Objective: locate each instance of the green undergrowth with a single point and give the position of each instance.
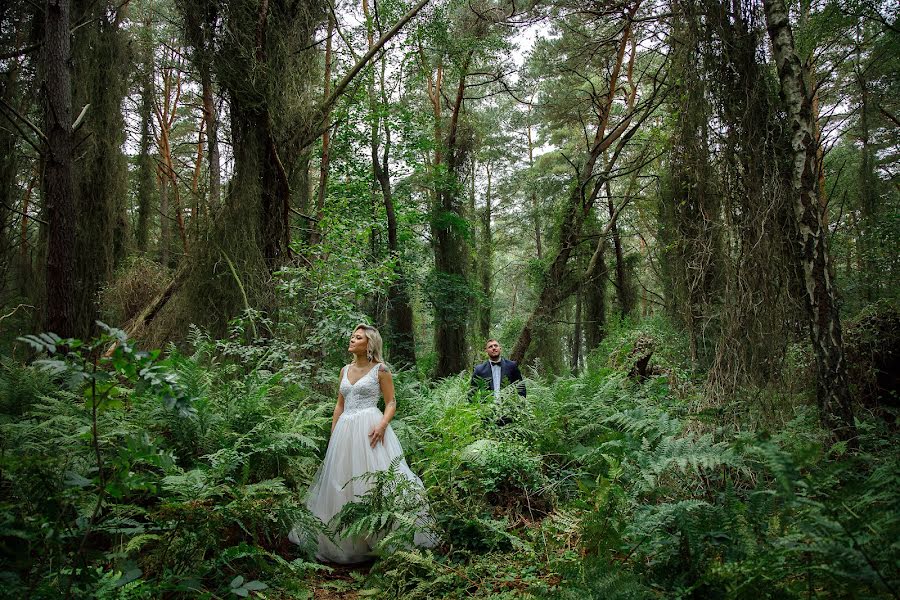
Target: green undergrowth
(180, 474)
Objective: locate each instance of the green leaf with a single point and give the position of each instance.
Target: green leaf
(129, 576)
(74, 479)
(237, 581)
(255, 586)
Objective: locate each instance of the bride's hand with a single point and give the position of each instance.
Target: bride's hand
(377, 435)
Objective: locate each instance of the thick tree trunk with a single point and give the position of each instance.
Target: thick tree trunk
(820, 294)
(594, 290)
(576, 335)
(101, 179)
(623, 291)
(59, 188)
(450, 289)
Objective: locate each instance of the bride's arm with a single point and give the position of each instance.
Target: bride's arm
(339, 406)
(390, 406)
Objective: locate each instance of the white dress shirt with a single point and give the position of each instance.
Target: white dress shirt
(495, 373)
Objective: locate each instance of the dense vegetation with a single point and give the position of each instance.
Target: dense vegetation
(603, 486)
(679, 216)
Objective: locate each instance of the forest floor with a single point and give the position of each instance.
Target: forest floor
(342, 582)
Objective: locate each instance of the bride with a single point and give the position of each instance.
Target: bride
(362, 441)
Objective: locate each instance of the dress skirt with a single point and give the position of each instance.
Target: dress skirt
(338, 481)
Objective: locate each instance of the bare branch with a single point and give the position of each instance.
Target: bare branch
(24, 120)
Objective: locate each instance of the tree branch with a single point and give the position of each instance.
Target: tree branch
(25, 120)
(341, 86)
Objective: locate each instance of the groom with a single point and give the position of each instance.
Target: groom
(495, 371)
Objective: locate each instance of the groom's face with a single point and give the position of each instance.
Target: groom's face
(493, 349)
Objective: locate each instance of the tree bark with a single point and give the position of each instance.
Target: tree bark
(820, 296)
(212, 138)
(486, 258)
(165, 223)
(59, 187)
(594, 291)
(535, 207)
(100, 79)
(451, 294)
(623, 291)
(401, 327)
(576, 335)
(146, 183)
(316, 236)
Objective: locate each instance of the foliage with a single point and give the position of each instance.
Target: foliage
(641, 498)
(593, 486)
(125, 475)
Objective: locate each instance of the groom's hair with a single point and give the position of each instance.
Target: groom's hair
(489, 341)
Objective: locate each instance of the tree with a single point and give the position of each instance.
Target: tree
(463, 41)
(59, 189)
(833, 391)
(607, 133)
(401, 333)
(275, 118)
(100, 60)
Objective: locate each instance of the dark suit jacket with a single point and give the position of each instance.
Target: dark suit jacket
(509, 371)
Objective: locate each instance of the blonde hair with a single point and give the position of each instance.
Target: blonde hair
(374, 345)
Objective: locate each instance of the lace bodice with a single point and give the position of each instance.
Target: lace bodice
(364, 393)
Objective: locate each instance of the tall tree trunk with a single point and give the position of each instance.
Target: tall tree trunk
(316, 236)
(486, 260)
(594, 290)
(146, 184)
(451, 294)
(59, 188)
(833, 392)
(199, 17)
(577, 334)
(623, 289)
(401, 327)
(211, 118)
(100, 63)
(165, 221)
(535, 207)
(690, 209)
(9, 165)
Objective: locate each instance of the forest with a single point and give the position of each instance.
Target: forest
(681, 218)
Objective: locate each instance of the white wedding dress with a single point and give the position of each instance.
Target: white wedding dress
(349, 456)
